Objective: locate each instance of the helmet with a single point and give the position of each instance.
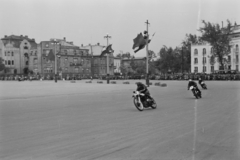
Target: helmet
(190, 80)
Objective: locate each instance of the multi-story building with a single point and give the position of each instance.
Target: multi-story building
(203, 62)
(71, 60)
(99, 65)
(21, 54)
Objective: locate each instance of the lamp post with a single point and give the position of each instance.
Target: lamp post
(107, 36)
(147, 76)
(59, 63)
(55, 42)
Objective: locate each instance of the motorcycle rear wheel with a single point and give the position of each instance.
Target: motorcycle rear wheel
(137, 104)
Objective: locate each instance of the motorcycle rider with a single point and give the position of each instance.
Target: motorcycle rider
(143, 89)
(200, 81)
(194, 84)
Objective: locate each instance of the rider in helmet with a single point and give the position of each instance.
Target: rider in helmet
(194, 84)
(200, 82)
(143, 89)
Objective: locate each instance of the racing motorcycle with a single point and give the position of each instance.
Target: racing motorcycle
(195, 92)
(203, 85)
(141, 101)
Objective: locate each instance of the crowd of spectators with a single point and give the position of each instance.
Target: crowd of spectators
(213, 76)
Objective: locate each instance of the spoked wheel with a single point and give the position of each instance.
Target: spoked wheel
(154, 104)
(137, 104)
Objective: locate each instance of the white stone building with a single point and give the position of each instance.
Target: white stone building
(201, 61)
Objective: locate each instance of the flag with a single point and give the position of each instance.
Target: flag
(50, 56)
(140, 42)
(107, 50)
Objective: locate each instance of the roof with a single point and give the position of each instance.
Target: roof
(16, 41)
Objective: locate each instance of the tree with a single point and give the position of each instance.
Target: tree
(186, 50)
(219, 38)
(124, 55)
(2, 66)
(151, 55)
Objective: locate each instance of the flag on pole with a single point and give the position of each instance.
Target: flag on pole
(49, 55)
(140, 42)
(107, 50)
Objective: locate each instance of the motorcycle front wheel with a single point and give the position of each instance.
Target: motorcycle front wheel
(138, 104)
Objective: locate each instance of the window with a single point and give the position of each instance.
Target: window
(237, 60)
(25, 47)
(12, 54)
(237, 69)
(195, 61)
(12, 62)
(195, 69)
(211, 50)
(76, 69)
(212, 69)
(75, 60)
(35, 60)
(5, 53)
(6, 62)
(237, 49)
(229, 58)
(204, 68)
(195, 52)
(204, 51)
(9, 62)
(204, 60)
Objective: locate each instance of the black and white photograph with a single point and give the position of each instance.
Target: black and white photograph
(119, 80)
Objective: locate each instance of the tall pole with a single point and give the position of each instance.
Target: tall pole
(107, 36)
(147, 78)
(55, 42)
(55, 62)
(182, 60)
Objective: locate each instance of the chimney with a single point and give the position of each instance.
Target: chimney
(21, 35)
(5, 36)
(26, 36)
(222, 24)
(64, 38)
(81, 45)
(98, 44)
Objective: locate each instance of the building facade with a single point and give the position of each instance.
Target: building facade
(71, 61)
(203, 62)
(99, 63)
(20, 54)
(126, 64)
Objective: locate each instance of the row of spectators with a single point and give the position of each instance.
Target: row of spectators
(151, 77)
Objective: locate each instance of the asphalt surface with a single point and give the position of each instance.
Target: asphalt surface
(44, 120)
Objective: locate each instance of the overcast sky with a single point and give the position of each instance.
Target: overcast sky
(88, 21)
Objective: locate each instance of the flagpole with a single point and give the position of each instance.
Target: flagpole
(147, 78)
(107, 36)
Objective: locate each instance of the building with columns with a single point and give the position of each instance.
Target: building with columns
(203, 62)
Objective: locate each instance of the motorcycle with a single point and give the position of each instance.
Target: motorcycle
(196, 93)
(203, 85)
(141, 101)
